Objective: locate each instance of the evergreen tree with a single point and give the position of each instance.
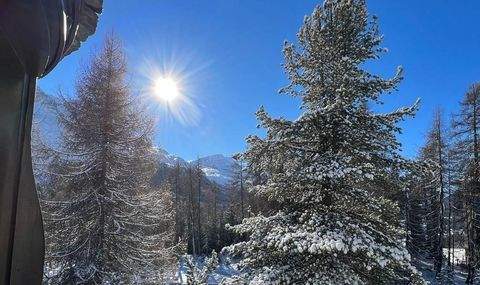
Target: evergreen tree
(196, 208)
(331, 227)
(435, 154)
(178, 203)
(197, 275)
(466, 131)
(212, 225)
(415, 216)
(199, 228)
(238, 185)
(109, 225)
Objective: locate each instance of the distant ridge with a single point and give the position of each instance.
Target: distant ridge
(217, 168)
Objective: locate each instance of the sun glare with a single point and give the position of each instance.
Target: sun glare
(171, 89)
(166, 88)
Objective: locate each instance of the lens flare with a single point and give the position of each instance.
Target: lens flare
(170, 85)
(166, 88)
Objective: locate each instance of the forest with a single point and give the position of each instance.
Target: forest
(326, 198)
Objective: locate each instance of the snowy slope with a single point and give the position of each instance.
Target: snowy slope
(218, 168)
(226, 269)
(170, 159)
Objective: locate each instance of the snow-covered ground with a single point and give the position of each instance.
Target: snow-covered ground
(224, 270)
(429, 274)
(457, 257)
(458, 260)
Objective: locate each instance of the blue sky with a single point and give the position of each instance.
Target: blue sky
(227, 56)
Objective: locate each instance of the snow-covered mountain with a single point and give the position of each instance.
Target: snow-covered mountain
(170, 159)
(217, 168)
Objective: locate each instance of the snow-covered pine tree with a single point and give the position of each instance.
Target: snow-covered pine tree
(238, 185)
(415, 208)
(108, 225)
(330, 227)
(434, 153)
(197, 274)
(466, 132)
(212, 220)
(193, 238)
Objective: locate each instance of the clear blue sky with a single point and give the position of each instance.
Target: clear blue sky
(228, 56)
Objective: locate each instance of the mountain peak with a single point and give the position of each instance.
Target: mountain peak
(169, 159)
(217, 168)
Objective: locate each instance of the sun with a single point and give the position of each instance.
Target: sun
(166, 88)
